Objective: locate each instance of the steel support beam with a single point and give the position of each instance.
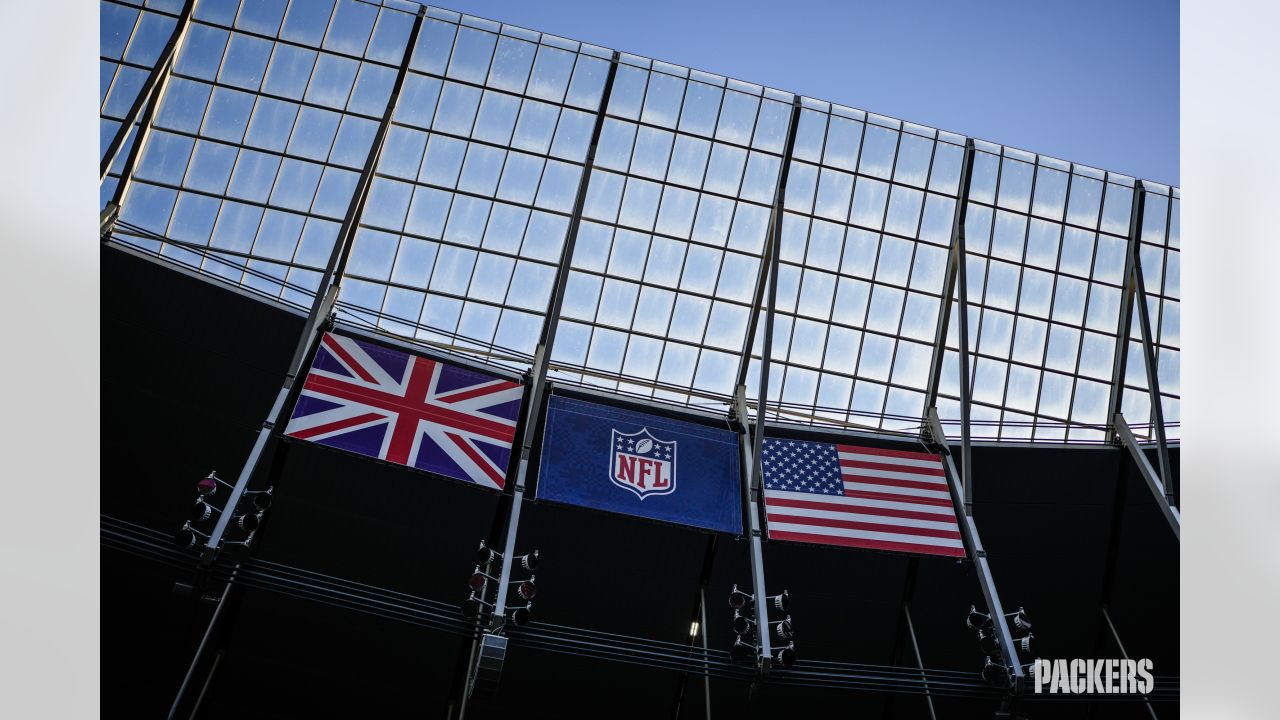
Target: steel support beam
(150, 95)
(1125, 322)
(538, 374)
(954, 257)
(1158, 489)
(1106, 616)
(751, 445)
(915, 647)
(1153, 379)
(773, 237)
(699, 618)
(322, 306)
(973, 545)
(537, 385)
(753, 442)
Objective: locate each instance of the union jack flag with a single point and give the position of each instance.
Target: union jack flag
(406, 409)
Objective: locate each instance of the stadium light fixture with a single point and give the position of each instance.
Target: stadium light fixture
(781, 601)
(742, 652)
(521, 616)
(526, 589)
(249, 522)
(486, 554)
(786, 657)
(1021, 623)
(742, 625)
(207, 485)
(1024, 644)
(783, 628)
(988, 642)
(995, 674)
(529, 562)
(201, 511)
(977, 620)
(739, 600)
(478, 579)
(261, 499)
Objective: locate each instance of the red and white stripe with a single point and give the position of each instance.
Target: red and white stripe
(893, 500)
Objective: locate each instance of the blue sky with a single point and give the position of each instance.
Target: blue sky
(1087, 81)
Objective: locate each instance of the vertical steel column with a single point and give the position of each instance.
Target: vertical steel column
(949, 280)
(1125, 322)
(326, 295)
(699, 616)
(1119, 645)
(966, 452)
(1149, 359)
(533, 402)
(911, 630)
(538, 374)
(706, 652)
(750, 490)
(753, 443)
(773, 237)
(149, 97)
(973, 545)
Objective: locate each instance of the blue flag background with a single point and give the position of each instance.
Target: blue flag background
(629, 462)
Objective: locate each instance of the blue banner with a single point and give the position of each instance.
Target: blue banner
(629, 462)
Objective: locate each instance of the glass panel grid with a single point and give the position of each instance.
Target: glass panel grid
(272, 108)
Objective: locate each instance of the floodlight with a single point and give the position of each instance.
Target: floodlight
(207, 485)
(526, 589)
(784, 629)
(1021, 622)
(520, 616)
(261, 499)
(477, 580)
(184, 538)
(249, 522)
(742, 652)
(786, 657)
(742, 625)
(988, 642)
(530, 561)
(781, 601)
(1024, 644)
(995, 674)
(977, 620)
(486, 555)
(201, 510)
(738, 599)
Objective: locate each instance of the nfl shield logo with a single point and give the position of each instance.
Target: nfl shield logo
(643, 464)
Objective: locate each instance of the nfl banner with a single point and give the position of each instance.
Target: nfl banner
(634, 463)
(406, 409)
(859, 497)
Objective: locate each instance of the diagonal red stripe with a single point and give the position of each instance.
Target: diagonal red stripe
(431, 413)
(336, 425)
(478, 391)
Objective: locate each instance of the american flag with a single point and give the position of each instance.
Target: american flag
(406, 409)
(859, 497)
